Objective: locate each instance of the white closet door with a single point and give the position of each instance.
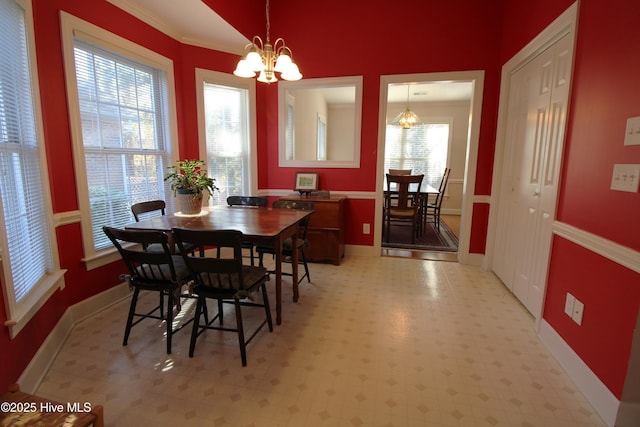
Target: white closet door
(529, 190)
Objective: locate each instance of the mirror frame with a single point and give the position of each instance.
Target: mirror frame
(319, 83)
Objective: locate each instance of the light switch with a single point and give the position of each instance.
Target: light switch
(632, 134)
(578, 310)
(568, 305)
(625, 178)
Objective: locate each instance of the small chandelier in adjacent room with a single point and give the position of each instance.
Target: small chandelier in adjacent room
(267, 59)
(407, 118)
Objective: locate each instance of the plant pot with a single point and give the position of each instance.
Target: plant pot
(188, 203)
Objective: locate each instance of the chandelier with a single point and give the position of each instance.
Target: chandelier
(267, 59)
(407, 118)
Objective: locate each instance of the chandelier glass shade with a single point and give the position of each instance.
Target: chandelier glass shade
(265, 59)
(406, 119)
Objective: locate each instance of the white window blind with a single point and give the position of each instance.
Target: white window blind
(122, 108)
(227, 139)
(422, 148)
(24, 205)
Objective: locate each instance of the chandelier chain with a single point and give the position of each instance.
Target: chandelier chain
(268, 22)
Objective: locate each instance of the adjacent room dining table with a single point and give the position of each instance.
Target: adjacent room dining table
(258, 225)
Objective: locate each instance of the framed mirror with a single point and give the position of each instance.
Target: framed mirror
(319, 122)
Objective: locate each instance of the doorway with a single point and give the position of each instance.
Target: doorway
(445, 104)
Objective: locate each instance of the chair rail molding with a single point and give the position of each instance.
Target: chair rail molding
(615, 252)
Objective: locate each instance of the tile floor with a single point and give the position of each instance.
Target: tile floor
(373, 342)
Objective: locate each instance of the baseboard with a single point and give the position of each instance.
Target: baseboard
(361, 250)
(598, 395)
(41, 362)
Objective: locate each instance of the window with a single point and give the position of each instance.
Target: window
(322, 138)
(225, 128)
(28, 246)
(423, 149)
(123, 146)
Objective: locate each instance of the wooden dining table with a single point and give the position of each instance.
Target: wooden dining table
(258, 225)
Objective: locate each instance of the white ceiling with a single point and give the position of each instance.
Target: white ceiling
(192, 22)
(187, 21)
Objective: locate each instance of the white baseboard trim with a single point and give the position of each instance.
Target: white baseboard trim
(361, 250)
(600, 397)
(41, 362)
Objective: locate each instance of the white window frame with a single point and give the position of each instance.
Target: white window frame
(72, 26)
(214, 77)
(20, 312)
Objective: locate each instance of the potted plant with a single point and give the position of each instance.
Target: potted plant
(189, 181)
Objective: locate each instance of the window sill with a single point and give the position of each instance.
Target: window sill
(34, 302)
(103, 258)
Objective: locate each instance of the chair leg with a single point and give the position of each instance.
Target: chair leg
(243, 347)
(196, 325)
(169, 321)
(252, 255)
(306, 266)
(265, 300)
(220, 312)
(162, 304)
(132, 310)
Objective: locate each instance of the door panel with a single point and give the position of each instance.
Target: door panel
(529, 191)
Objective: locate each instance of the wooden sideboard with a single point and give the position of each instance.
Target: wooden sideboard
(326, 227)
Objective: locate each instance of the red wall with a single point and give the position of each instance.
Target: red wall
(605, 92)
(344, 38)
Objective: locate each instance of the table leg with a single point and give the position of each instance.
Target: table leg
(294, 267)
(278, 247)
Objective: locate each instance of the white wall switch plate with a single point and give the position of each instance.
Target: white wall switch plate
(625, 178)
(578, 310)
(568, 305)
(366, 229)
(632, 134)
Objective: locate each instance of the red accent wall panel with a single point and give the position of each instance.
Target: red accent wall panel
(523, 20)
(605, 94)
(480, 217)
(611, 298)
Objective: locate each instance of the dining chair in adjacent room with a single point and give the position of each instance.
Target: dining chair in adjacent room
(225, 279)
(402, 203)
(433, 208)
(154, 271)
(300, 243)
(248, 201)
(400, 171)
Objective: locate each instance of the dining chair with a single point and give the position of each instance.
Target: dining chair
(288, 246)
(402, 204)
(154, 271)
(148, 209)
(140, 209)
(432, 209)
(248, 201)
(224, 278)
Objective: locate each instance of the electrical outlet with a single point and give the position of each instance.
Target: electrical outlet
(366, 229)
(578, 310)
(568, 305)
(625, 178)
(632, 134)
